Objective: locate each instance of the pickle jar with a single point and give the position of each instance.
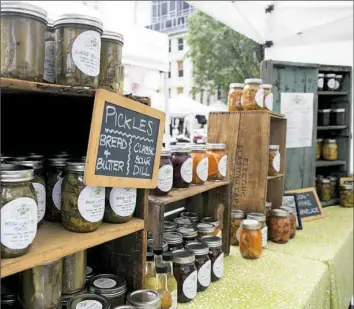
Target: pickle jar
(292, 217)
(330, 150)
(77, 50)
(234, 97)
(174, 240)
(74, 272)
(320, 81)
(110, 77)
(261, 218)
(216, 256)
(82, 207)
(324, 117)
(182, 166)
(338, 84)
(330, 82)
(200, 164)
(88, 301)
(318, 183)
(217, 161)
(347, 195)
(268, 213)
(190, 215)
(252, 96)
(280, 226)
(250, 239)
(165, 175)
(120, 204)
(338, 116)
(49, 60)
(215, 223)
(23, 27)
(237, 215)
(319, 143)
(274, 160)
(334, 186)
(18, 209)
(268, 97)
(205, 229)
(144, 299)
(189, 234)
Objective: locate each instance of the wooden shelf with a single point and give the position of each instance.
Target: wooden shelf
(275, 177)
(325, 128)
(53, 241)
(322, 163)
(332, 93)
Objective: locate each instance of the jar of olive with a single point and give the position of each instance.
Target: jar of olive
(18, 210)
(330, 150)
(346, 195)
(325, 190)
(237, 215)
(82, 206)
(319, 142)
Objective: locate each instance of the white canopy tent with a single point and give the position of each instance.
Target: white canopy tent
(218, 106)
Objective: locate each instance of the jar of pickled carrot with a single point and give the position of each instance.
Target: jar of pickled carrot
(234, 97)
(200, 164)
(217, 161)
(250, 239)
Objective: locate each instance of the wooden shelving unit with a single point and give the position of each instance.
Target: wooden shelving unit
(322, 163)
(332, 93)
(330, 128)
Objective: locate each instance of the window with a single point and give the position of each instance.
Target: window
(169, 92)
(180, 44)
(169, 46)
(154, 10)
(168, 24)
(180, 68)
(185, 5)
(179, 90)
(164, 9)
(172, 5)
(157, 26)
(180, 21)
(169, 70)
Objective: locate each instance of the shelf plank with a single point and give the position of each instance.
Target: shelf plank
(325, 128)
(53, 241)
(275, 177)
(322, 163)
(181, 194)
(332, 93)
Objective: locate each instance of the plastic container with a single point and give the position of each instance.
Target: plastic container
(250, 239)
(165, 175)
(217, 162)
(200, 164)
(252, 96)
(234, 97)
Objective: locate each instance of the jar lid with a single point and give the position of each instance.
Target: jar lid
(180, 148)
(267, 86)
(79, 19)
(57, 162)
(167, 256)
(319, 140)
(253, 81)
(250, 224)
(320, 74)
(150, 245)
(172, 238)
(273, 147)
(205, 227)
(190, 215)
(279, 213)
(332, 178)
(331, 141)
(216, 146)
(89, 272)
(84, 299)
(338, 110)
(198, 147)
(169, 226)
(197, 248)
(236, 85)
(347, 186)
(325, 180)
(144, 299)
(212, 241)
(183, 256)
(107, 284)
(35, 164)
(324, 110)
(16, 173)
(165, 152)
(187, 231)
(75, 166)
(183, 222)
(330, 75)
(124, 307)
(50, 23)
(257, 216)
(237, 213)
(23, 8)
(339, 76)
(112, 35)
(211, 221)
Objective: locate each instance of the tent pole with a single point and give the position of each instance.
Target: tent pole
(167, 136)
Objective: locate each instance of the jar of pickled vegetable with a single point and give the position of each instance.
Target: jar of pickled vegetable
(330, 150)
(200, 164)
(205, 229)
(346, 195)
(274, 160)
(280, 226)
(215, 223)
(120, 204)
(250, 239)
(237, 215)
(234, 97)
(217, 161)
(334, 185)
(261, 218)
(292, 217)
(252, 96)
(319, 142)
(320, 81)
(182, 166)
(165, 175)
(330, 82)
(268, 97)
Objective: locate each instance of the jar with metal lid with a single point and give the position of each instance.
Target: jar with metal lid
(338, 83)
(274, 160)
(253, 95)
(215, 223)
(112, 287)
(216, 256)
(18, 210)
(5, 159)
(65, 298)
(111, 61)
(169, 226)
(186, 275)
(23, 28)
(293, 220)
(237, 215)
(234, 97)
(338, 116)
(205, 229)
(74, 272)
(347, 195)
(334, 186)
(202, 263)
(185, 222)
(182, 166)
(320, 81)
(324, 116)
(330, 82)
(189, 234)
(190, 215)
(217, 161)
(250, 239)
(165, 175)
(89, 273)
(318, 183)
(174, 240)
(89, 301)
(268, 97)
(9, 300)
(319, 142)
(150, 245)
(268, 213)
(144, 299)
(41, 286)
(120, 204)
(82, 206)
(200, 164)
(77, 50)
(49, 60)
(280, 226)
(330, 150)
(261, 218)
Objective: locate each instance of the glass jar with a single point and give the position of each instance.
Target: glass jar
(330, 82)
(200, 164)
(18, 210)
(261, 218)
(338, 117)
(334, 186)
(182, 166)
(318, 183)
(234, 97)
(185, 273)
(338, 84)
(23, 28)
(190, 215)
(74, 272)
(110, 286)
(120, 204)
(346, 195)
(49, 61)
(111, 61)
(268, 97)
(65, 298)
(280, 226)
(215, 223)
(330, 150)
(150, 245)
(274, 160)
(292, 217)
(202, 263)
(174, 240)
(82, 206)
(237, 215)
(165, 175)
(217, 161)
(205, 229)
(41, 286)
(77, 61)
(319, 143)
(169, 226)
(9, 300)
(89, 273)
(185, 222)
(252, 96)
(250, 239)
(144, 299)
(216, 256)
(325, 190)
(88, 301)
(268, 213)
(320, 81)
(189, 234)
(324, 117)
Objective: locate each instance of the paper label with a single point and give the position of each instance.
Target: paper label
(123, 201)
(331, 83)
(86, 52)
(49, 71)
(165, 178)
(18, 223)
(320, 83)
(218, 267)
(56, 193)
(189, 287)
(336, 86)
(105, 283)
(91, 203)
(174, 299)
(276, 162)
(259, 97)
(264, 236)
(204, 274)
(89, 304)
(268, 101)
(187, 170)
(40, 192)
(222, 166)
(202, 169)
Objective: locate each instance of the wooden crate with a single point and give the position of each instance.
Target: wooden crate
(247, 135)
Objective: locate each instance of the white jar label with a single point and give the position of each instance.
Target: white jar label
(89, 304)
(222, 166)
(187, 170)
(91, 203)
(320, 83)
(331, 83)
(165, 178)
(336, 86)
(174, 299)
(204, 274)
(276, 162)
(105, 283)
(264, 236)
(18, 223)
(202, 169)
(189, 286)
(49, 72)
(86, 52)
(40, 192)
(123, 201)
(269, 101)
(56, 193)
(218, 267)
(259, 97)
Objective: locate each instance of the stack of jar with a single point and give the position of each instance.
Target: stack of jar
(326, 149)
(331, 117)
(329, 82)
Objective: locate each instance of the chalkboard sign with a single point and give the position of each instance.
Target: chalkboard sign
(308, 203)
(289, 203)
(125, 143)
